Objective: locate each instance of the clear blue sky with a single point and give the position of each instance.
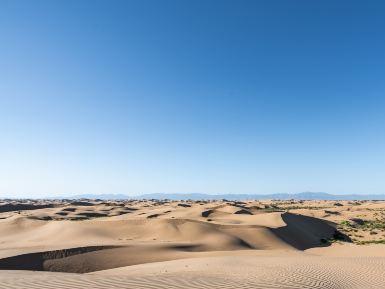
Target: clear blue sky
(191, 96)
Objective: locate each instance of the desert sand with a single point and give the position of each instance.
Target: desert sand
(191, 244)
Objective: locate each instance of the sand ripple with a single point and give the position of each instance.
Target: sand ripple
(218, 272)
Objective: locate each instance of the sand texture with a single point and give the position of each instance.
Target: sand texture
(186, 244)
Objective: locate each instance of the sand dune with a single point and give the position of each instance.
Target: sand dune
(162, 244)
(219, 272)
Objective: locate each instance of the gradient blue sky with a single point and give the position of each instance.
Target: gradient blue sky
(191, 96)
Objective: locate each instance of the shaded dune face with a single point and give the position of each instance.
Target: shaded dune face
(23, 207)
(302, 232)
(40, 261)
(96, 258)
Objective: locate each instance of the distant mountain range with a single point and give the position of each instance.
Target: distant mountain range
(199, 196)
